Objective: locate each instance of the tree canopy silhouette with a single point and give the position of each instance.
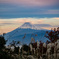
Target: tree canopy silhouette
(3, 53)
(2, 42)
(53, 35)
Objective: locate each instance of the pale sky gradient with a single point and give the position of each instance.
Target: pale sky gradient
(13, 13)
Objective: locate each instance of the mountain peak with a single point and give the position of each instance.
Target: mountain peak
(27, 25)
(33, 26)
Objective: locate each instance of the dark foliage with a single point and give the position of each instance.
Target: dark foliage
(16, 50)
(53, 35)
(2, 43)
(3, 54)
(26, 48)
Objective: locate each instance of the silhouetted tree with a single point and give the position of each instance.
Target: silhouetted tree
(15, 44)
(16, 50)
(53, 35)
(2, 42)
(26, 48)
(3, 53)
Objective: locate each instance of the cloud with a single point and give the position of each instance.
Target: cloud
(19, 21)
(7, 25)
(56, 18)
(7, 11)
(29, 8)
(51, 12)
(45, 12)
(31, 2)
(31, 20)
(43, 25)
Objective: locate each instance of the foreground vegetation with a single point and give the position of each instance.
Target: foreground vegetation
(34, 50)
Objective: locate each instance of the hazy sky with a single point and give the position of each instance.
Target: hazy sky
(13, 13)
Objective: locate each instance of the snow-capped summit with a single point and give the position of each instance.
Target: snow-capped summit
(34, 26)
(27, 25)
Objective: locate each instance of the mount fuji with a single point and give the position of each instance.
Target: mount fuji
(34, 26)
(28, 30)
(28, 25)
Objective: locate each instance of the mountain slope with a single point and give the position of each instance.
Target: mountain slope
(28, 30)
(19, 33)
